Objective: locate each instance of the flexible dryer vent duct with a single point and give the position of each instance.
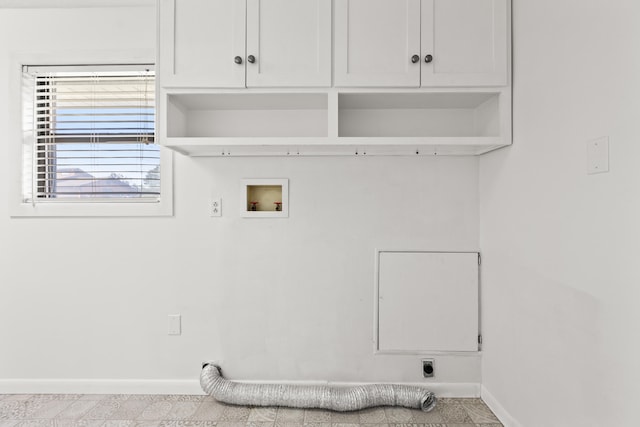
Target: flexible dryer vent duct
(320, 396)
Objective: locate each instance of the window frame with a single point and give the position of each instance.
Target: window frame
(16, 143)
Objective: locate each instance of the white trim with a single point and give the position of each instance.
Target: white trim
(192, 387)
(17, 207)
(99, 386)
(505, 417)
(62, 4)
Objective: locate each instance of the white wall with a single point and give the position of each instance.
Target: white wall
(560, 248)
(286, 299)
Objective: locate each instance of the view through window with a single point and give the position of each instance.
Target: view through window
(93, 134)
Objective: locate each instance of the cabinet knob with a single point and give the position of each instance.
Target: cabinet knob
(237, 60)
(415, 58)
(251, 58)
(428, 58)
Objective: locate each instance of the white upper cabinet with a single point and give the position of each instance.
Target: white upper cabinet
(289, 42)
(377, 43)
(429, 43)
(245, 43)
(201, 42)
(467, 41)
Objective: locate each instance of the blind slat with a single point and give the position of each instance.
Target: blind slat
(94, 134)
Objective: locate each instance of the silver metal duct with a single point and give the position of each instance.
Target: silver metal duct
(307, 396)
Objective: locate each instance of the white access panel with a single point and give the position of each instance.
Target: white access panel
(427, 301)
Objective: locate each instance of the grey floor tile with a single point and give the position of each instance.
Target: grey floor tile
(263, 414)
(209, 411)
(78, 423)
(453, 413)
(157, 410)
(35, 423)
(130, 410)
(45, 409)
(372, 416)
(289, 415)
(12, 409)
(235, 414)
(193, 423)
(317, 416)
(77, 409)
(182, 410)
(145, 423)
(479, 412)
(398, 415)
(169, 397)
(345, 417)
(49, 397)
(118, 423)
(187, 397)
(104, 410)
(432, 417)
(204, 411)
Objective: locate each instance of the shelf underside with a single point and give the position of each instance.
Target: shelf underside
(334, 146)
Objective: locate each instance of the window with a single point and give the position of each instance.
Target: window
(92, 134)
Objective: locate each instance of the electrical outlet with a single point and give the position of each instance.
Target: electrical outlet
(428, 369)
(174, 324)
(216, 207)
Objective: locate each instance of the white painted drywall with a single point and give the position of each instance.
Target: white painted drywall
(560, 276)
(277, 299)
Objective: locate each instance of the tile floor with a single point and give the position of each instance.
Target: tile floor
(87, 410)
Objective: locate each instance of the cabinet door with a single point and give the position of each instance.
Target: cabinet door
(467, 40)
(199, 40)
(375, 41)
(290, 41)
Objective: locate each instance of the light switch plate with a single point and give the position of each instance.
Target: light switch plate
(598, 155)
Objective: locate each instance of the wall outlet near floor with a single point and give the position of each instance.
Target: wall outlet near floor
(174, 325)
(428, 368)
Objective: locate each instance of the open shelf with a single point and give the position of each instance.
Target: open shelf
(405, 115)
(247, 115)
(336, 122)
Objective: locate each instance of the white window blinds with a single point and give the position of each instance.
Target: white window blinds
(92, 134)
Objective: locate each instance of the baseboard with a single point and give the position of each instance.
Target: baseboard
(99, 386)
(102, 386)
(505, 417)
